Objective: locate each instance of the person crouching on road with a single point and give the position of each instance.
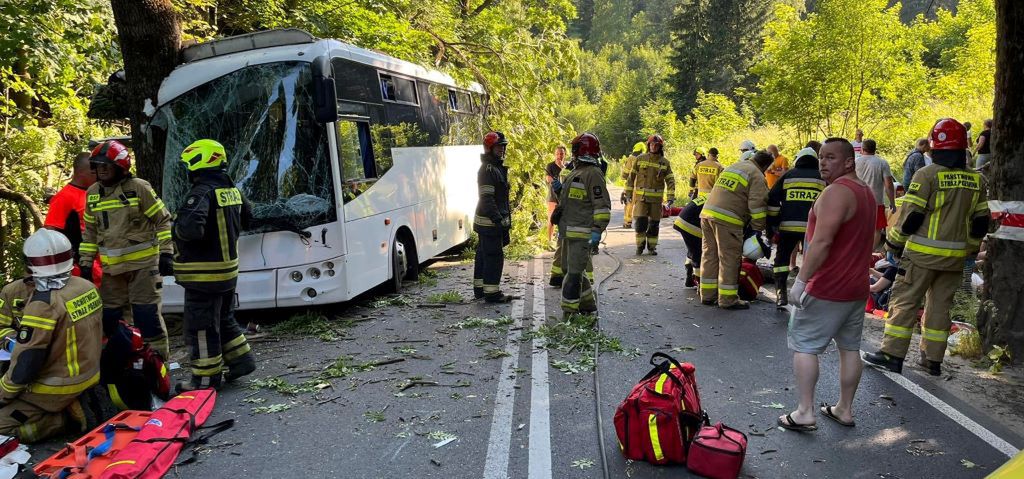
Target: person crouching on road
(650, 183)
(688, 225)
(789, 203)
(584, 210)
(737, 200)
(128, 225)
(493, 220)
(830, 291)
(59, 339)
(206, 231)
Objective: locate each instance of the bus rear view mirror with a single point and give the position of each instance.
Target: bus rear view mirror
(325, 100)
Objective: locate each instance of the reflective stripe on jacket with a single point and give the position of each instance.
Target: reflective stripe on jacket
(739, 197)
(59, 343)
(950, 199)
(705, 173)
(206, 231)
(586, 206)
(492, 184)
(651, 179)
(127, 225)
(791, 198)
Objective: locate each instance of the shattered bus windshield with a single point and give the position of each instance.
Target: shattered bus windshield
(277, 152)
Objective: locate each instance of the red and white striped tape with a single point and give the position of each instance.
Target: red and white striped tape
(1010, 215)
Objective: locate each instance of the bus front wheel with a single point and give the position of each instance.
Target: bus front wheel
(399, 265)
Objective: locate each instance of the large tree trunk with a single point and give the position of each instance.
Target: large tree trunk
(150, 36)
(1001, 318)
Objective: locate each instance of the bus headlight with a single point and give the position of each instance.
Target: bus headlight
(329, 265)
(296, 276)
(313, 273)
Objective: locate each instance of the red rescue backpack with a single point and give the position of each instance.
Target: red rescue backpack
(658, 420)
(751, 280)
(131, 371)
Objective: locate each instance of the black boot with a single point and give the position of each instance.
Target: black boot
(781, 293)
(199, 382)
(556, 281)
(639, 250)
(241, 366)
(883, 360)
(499, 297)
(478, 293)
(933, 367)
(691, 280)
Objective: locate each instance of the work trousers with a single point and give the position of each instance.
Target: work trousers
(557, 268)
(693, 251)
(627, 218)
(489, 261)
(32, 422)
(916, 286)
(213, 336)
(577, 292)
(141, 290)
(646, 222)
(721, 250)
(788, 241)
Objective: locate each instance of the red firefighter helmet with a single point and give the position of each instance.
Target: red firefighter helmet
(586, 145)
(655, 140)
(948, 134)
(112, 152)
(493, 138)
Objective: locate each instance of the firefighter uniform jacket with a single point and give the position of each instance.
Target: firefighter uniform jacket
(627, 166)
(650, 177)
(688, 220)
(206, 231)
(739, 197)
(705, 173)
(586, 206)
(791, 199)
(950, 200)
(59, 343)
(492, 181)
(127, 224)
(13, 298)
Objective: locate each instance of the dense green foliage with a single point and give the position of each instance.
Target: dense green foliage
(700, 72)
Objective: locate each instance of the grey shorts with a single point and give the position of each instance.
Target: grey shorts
(820, 321)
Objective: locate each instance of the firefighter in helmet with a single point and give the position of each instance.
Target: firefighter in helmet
(584, 212)
(627, 167)
(59, 338)
(738, 201)
(557, 269)
(705, 173)
(127, 224)
(206, 230)
(789, 205)
(942, 219)
(493, 220)
(650, 183)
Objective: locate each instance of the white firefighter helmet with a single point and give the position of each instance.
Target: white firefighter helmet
(747, 145)
(752, 249)
(48, 253)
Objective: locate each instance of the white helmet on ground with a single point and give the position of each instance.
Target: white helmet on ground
(752, 249)
(48, 253)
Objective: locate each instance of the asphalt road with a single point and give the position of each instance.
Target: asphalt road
(495, 391)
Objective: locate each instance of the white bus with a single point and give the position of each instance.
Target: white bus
(359, 166)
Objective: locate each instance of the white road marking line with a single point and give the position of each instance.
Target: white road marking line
(496, 465)
(984, 434)
(540, 404)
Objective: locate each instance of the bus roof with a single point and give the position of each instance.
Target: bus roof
(211, 60)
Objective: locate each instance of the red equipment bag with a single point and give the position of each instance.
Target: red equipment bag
(670, 211)
(659, 418)
(751, 280)
(153, 451)
(717, 452)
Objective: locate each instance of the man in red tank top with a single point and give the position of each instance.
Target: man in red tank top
(832, 287)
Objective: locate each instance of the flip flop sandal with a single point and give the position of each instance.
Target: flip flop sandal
(826, 410)
(792, 425)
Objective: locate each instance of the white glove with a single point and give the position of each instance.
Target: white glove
(796, 293)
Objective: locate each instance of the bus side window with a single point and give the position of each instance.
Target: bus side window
(355, 157)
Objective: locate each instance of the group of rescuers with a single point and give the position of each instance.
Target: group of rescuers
(56, 320)
(939, 222)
